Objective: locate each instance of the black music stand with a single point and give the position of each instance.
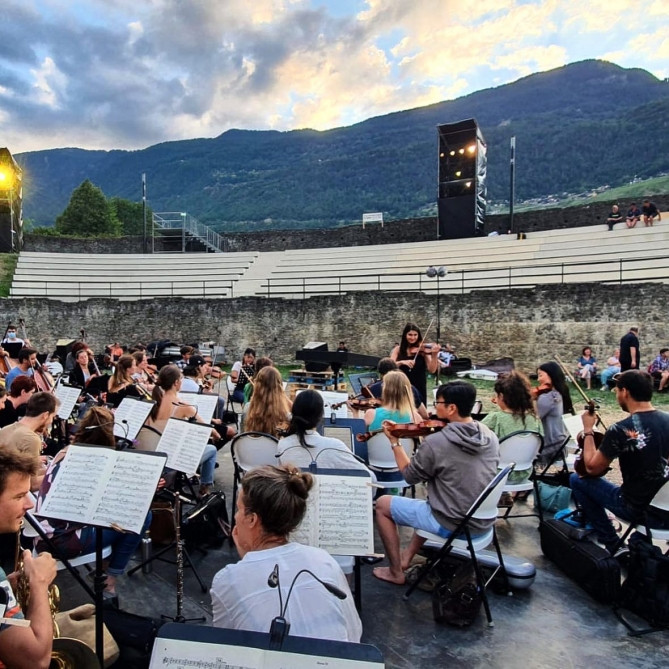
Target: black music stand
(240, 648)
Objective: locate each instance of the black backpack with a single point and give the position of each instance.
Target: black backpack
(645, 591)
(207, 525)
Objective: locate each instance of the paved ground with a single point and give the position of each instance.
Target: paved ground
(552, 624)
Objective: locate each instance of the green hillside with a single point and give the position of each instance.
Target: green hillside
(577, 127)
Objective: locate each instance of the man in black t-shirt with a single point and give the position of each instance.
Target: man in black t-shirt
(641, 444)
(650, 212)
(614, 217)
(630, 355)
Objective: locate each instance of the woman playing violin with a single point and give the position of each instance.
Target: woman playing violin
(396, 403)
(82, 372)
(415, 358)
(553, 400)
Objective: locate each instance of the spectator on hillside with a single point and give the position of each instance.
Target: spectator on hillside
(614, 217)
(650, 211)
(633, 215)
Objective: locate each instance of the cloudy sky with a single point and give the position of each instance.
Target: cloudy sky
(104, 74)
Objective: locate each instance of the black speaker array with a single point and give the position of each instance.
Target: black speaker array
(462, 163)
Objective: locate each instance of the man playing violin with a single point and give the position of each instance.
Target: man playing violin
(415, 358)
(641, 443)
(457, 463)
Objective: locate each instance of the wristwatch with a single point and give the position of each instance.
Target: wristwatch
(396, 445)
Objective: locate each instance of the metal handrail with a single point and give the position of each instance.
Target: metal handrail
(177, 220)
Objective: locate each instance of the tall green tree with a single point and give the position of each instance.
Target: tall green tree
(89, 214)
(131, 216)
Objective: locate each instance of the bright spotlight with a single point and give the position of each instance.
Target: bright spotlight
(468, 184)
(441, 155)
(452, 153)
(471, 148)
(458, 174)
(6, 178)
(461, 151)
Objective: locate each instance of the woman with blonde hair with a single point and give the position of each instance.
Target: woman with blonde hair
(121, 383)
(397, 403)
(269, 408)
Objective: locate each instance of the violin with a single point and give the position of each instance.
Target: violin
(413, 430)
(541, 389)
(423, 348)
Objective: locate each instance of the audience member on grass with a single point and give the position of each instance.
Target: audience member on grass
(614, 216)
(650, 212)
(633, 215)
(553, 400)
(659, 368)
(271, 504)
(457, 463)
(587, 366)
(613, 367)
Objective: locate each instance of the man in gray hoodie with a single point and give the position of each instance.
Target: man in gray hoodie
(457, 463)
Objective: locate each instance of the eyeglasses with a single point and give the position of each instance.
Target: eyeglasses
(440, 402)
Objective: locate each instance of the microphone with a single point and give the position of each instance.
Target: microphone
(123, 423)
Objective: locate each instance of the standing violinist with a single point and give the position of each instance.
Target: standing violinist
(416, 358)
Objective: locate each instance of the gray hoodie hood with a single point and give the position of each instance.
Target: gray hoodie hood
(469, 437)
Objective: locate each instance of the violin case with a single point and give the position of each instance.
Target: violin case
(590, 565)
(521, 573)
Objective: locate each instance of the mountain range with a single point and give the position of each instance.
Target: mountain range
(577, 127)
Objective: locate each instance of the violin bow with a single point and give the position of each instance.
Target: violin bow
(570, 376)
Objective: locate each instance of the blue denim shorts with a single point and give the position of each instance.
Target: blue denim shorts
(416, 513)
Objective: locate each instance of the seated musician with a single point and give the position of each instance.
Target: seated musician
(457, 463)
(83, 370)
(24, 647)
(186, 352)
(257, 366)
(389, 365)
(26, 434)
(11, 337)
(70, 358)
(641, 443)
(271, 504)
(303, 444)
(73, 539)
(269, 408)
(396, 403)
(241, 373)
(27, 359)
(165, 394)
(143, 375)
(17, 399)
(121, 383)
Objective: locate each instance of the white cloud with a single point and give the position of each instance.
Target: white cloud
(50, 83)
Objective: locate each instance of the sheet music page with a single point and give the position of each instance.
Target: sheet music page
(331, 397)
(180, 654)
(99, 486)
(276, 659)
(339, 516)
(184, 443)
(128, 492)
(68, 396)
(204, 403)
(134, 412)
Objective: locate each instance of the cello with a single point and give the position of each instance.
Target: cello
(43, 380)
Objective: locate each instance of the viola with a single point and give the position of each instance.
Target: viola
(579, 463)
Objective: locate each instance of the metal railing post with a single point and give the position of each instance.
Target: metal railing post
(620, 271)
(304, 288)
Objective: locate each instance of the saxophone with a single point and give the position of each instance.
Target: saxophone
(65, 653)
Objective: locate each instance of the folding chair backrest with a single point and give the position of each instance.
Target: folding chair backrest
(485, 506)
(520, 447)
(254, 449)
(380, 452)
(661, 499)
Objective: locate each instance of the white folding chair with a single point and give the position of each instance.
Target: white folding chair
(521, 447)
(381, 460)
(483, 508)
(659, 503)
(250, 450)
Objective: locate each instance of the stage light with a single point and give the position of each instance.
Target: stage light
(442, 154)
(452, 153)
(6, 178)
(468, 184)
(471, 148)
(458, 174)
(461, 151)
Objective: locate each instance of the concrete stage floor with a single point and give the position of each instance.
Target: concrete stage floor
(552, 624)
